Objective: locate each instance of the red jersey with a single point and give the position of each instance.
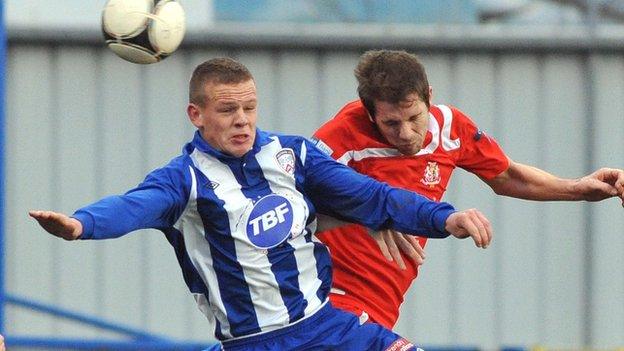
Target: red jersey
(363, 279)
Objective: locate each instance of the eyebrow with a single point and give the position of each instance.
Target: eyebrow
(236, 101)
(389, 121)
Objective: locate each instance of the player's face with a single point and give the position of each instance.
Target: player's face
(404, 125)
(227, 121)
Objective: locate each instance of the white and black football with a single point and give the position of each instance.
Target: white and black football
(143, 31)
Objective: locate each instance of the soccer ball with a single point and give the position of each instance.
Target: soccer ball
(143, 31)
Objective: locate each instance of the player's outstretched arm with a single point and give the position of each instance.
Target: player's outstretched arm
(470, 223)
(58, 224)
(602, 184)
(531, 183)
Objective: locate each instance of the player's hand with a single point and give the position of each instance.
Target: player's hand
(392, 243)
(2, 348)
(58, 224)
(602, 184)
(470, 223)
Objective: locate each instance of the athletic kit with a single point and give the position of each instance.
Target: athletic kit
(242, 230)
(365, 283)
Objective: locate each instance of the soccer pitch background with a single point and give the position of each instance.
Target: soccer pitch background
(80, 124)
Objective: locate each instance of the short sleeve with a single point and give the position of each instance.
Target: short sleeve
(479, 153)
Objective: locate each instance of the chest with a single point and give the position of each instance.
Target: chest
(428, 175)
(254, 201)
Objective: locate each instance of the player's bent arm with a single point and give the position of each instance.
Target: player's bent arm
(461, 224)
(531, 183)
(338, 190)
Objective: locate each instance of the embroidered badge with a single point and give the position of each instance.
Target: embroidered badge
(213, 185)
(432, 174)
(286, 160)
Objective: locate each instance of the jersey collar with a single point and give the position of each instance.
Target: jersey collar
(198, 142)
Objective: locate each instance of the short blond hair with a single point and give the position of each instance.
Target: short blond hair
(222, 70)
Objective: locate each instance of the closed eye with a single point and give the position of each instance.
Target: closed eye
(414, 118)
(227, 109)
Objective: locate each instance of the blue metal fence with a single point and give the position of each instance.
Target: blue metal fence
(136, 339)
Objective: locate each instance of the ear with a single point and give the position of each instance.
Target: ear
(194, 114)
(370, 117)
(430, 95)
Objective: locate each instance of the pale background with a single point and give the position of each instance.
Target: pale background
(81, 124)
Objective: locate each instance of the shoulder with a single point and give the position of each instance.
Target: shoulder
(350, 129)
(448, 113)
(283, 145)
(285, 140)
(177, 172)
(179, 162)
(452, 121)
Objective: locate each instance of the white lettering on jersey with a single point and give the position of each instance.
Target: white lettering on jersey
(269, 219)
(324, 147)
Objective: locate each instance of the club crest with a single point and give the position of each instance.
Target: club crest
(432, 174)
(286, 160)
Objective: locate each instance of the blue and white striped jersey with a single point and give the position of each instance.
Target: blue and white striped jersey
(243, 228)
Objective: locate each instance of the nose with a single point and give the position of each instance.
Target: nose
(241, 118)
(405, 132)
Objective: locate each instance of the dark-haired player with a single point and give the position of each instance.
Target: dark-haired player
(394, 134)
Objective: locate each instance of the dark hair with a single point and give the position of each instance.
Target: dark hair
(390, 76)
(221, 70)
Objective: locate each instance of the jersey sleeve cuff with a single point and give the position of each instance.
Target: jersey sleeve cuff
(439, 219)
(86, 219)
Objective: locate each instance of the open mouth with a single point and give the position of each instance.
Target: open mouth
(240, 138)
